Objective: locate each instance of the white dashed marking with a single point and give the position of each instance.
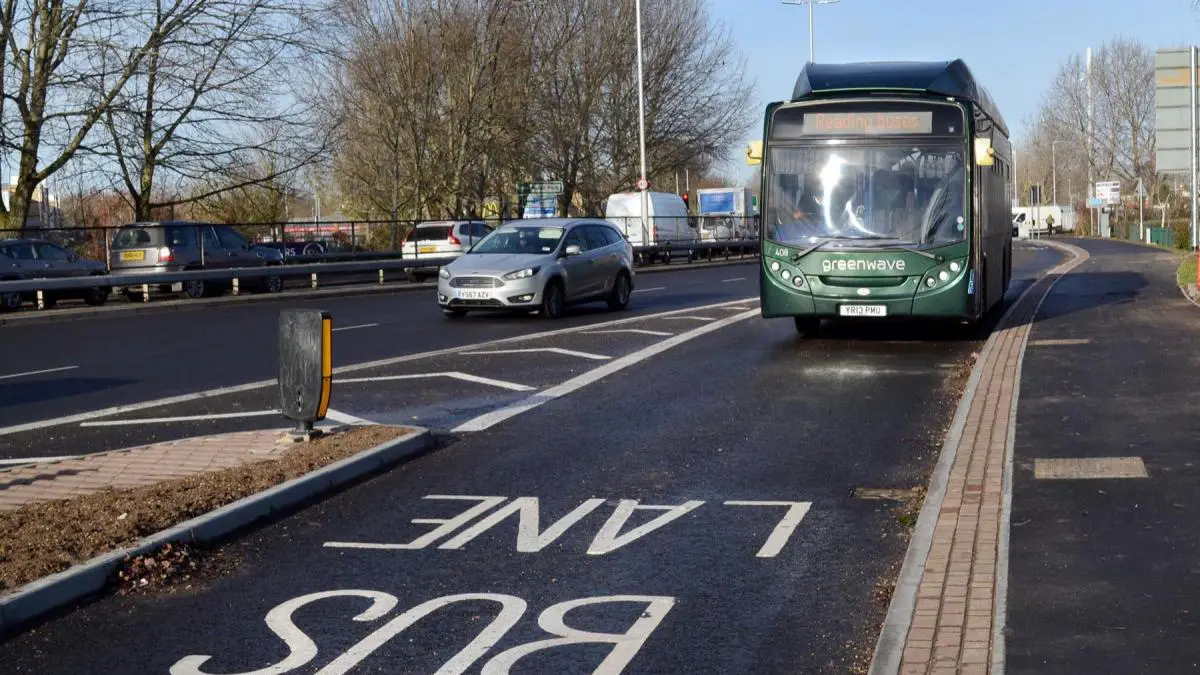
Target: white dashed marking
(554, 350)
(465, 377)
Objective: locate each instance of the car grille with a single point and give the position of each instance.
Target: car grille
(455, 302)
(476, 282)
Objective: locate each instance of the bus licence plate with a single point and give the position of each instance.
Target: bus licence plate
(473, 295)
(863, 310)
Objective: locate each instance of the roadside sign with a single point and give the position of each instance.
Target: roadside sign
(1094, 202)
(1140, 190)
(643, 184)
(549, 187)
(1109, 191)
(1172, 108)
(1035, 194)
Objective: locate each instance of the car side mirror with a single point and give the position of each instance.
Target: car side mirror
(573, 249)
(73, 258)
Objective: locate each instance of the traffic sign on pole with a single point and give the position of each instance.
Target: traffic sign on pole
(643, 184)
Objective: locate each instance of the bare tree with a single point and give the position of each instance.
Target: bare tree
(1121, 141)
(447, 103)
(63, 64)
(211, 97)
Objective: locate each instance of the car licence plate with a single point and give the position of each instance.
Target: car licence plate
(473, 295)
(133, 255)
(863, 310)
(427, 249)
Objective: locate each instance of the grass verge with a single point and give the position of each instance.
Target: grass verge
(44, 538)
(1186, 273)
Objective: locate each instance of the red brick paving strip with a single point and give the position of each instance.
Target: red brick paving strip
(134, 467)
(953, 620)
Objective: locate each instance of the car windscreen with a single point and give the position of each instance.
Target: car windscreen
(438, 233)
(528, 239)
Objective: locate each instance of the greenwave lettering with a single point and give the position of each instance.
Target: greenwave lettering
(854, 265)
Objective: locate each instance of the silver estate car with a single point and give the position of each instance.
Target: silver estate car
(540, 264)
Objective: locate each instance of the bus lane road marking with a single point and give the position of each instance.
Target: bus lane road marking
(534, 350)
(647, 612)
(487, 512)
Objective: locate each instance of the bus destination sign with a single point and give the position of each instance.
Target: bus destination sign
(867, 123)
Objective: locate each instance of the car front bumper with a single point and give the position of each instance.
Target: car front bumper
(510, 295)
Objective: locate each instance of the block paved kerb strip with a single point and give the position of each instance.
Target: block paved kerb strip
(948, 609)
(39, 598)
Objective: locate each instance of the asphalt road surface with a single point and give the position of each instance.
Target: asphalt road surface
(56, 369)
(685, 505)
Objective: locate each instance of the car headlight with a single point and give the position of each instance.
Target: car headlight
(444, 273)
(522, 274)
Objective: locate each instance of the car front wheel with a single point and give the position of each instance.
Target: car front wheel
(553, 300)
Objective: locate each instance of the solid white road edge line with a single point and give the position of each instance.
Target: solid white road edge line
(38, 372)
(725, 281)
(647, 290)
(361, 325)
(639, 331)
(465, 377)
(553, 350)
(366, 365)
(690, 318)
(490, 419)
(184, 418)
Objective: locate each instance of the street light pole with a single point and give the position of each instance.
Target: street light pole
(810, 4)
(642, 184)
(1054, 170)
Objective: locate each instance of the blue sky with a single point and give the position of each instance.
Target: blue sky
(1012, 46)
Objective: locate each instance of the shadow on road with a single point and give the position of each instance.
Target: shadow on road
(38, 392)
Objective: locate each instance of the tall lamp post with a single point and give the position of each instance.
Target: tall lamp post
(810, 4)
(643, 183)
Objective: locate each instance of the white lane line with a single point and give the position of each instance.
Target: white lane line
(725, 281)
(36, 460)
(344, 418)
(640, 331)
(466, 377)
(647, 290)
(490, 419)
(737, 309)
(690, 318)
(185, 418)
(38, 372)
(361, 325)
(555, 350)
(365, 365)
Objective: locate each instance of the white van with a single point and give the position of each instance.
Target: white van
(666, 223)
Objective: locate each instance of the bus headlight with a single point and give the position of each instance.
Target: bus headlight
(798, 280)
(774, 265)
(786, 275)
(943, 275)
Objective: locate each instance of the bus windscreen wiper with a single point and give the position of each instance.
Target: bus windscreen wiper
(796, 258)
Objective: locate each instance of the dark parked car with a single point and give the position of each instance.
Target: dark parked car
(37, 259)
(177, 246)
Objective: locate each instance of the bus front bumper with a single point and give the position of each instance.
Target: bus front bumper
(949, 301)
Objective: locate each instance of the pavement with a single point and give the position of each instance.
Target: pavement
(136, 466)
(678, 497)
(1104, 554)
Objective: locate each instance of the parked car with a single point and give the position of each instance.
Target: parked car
(541, 264)
(441, 238)
(36, 259)
(176, 246)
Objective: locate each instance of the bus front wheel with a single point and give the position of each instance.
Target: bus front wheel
(808, 326)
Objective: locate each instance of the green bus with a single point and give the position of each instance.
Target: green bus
(886, 192)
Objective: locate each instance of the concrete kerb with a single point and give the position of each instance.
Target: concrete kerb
(889, 647)
(349, 290)
(44, 596)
